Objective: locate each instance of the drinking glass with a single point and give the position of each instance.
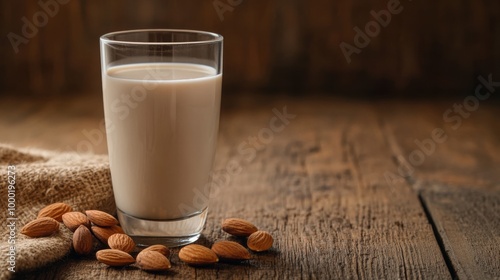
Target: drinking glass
(161, 93)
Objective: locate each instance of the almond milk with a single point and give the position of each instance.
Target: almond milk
(162, 123)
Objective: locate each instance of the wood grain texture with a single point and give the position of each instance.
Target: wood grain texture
(468, 223)
(71, 125)
(458, 179)
(316, 182)
(468, 155)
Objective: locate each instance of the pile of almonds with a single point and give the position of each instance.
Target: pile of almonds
(257, 241)
(104, 227)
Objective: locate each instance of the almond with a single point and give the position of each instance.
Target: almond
(103, 233)
(101, 218)
(260, 241)
(153, 261)
(122, 242)
(238, 227)
(73, 220)
(229, 250)
(197, 255)
(82, 240)
(54, 211)
(113, 257)
(158, 248)
(44, 226)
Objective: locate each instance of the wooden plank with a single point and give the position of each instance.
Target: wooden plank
(468, 223)
(459, 179)
(390, 218)
(469, 154)
(317, 184)
(268, 44)
(72, 124)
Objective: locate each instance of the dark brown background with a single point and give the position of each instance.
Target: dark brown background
(429, 49)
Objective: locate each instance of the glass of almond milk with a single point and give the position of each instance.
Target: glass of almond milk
(161, 92)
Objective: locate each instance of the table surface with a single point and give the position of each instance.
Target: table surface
(350, 189)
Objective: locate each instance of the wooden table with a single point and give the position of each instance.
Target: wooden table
(350, 189)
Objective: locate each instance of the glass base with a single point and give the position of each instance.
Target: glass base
(171, 233)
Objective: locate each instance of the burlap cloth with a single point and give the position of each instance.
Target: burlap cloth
(42, 178)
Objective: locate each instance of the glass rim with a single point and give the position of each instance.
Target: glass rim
(215, 37)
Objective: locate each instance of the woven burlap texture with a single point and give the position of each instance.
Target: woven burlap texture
(42, 178)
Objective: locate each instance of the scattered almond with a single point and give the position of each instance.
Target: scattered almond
(101, 218)
(44, 226)
(195, 254)
(158, 248)
(54, 211)
(103, 233)
(122, 242)
(113, 257)
(229, 250)
(260, 241)
(238, 227)
(73, 220)
(153, 261)
(82, 240)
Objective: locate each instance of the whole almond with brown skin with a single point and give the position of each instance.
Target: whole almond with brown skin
(260, 241)
(238, 227)
(103, 233)
(54, 211)
(122, 242)
(44, 226)
(73, 220)
(113, 257)
(101, 218)
(231, 251)
(195, 254)
(82, 240)
(158, 248)
(153, 261)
